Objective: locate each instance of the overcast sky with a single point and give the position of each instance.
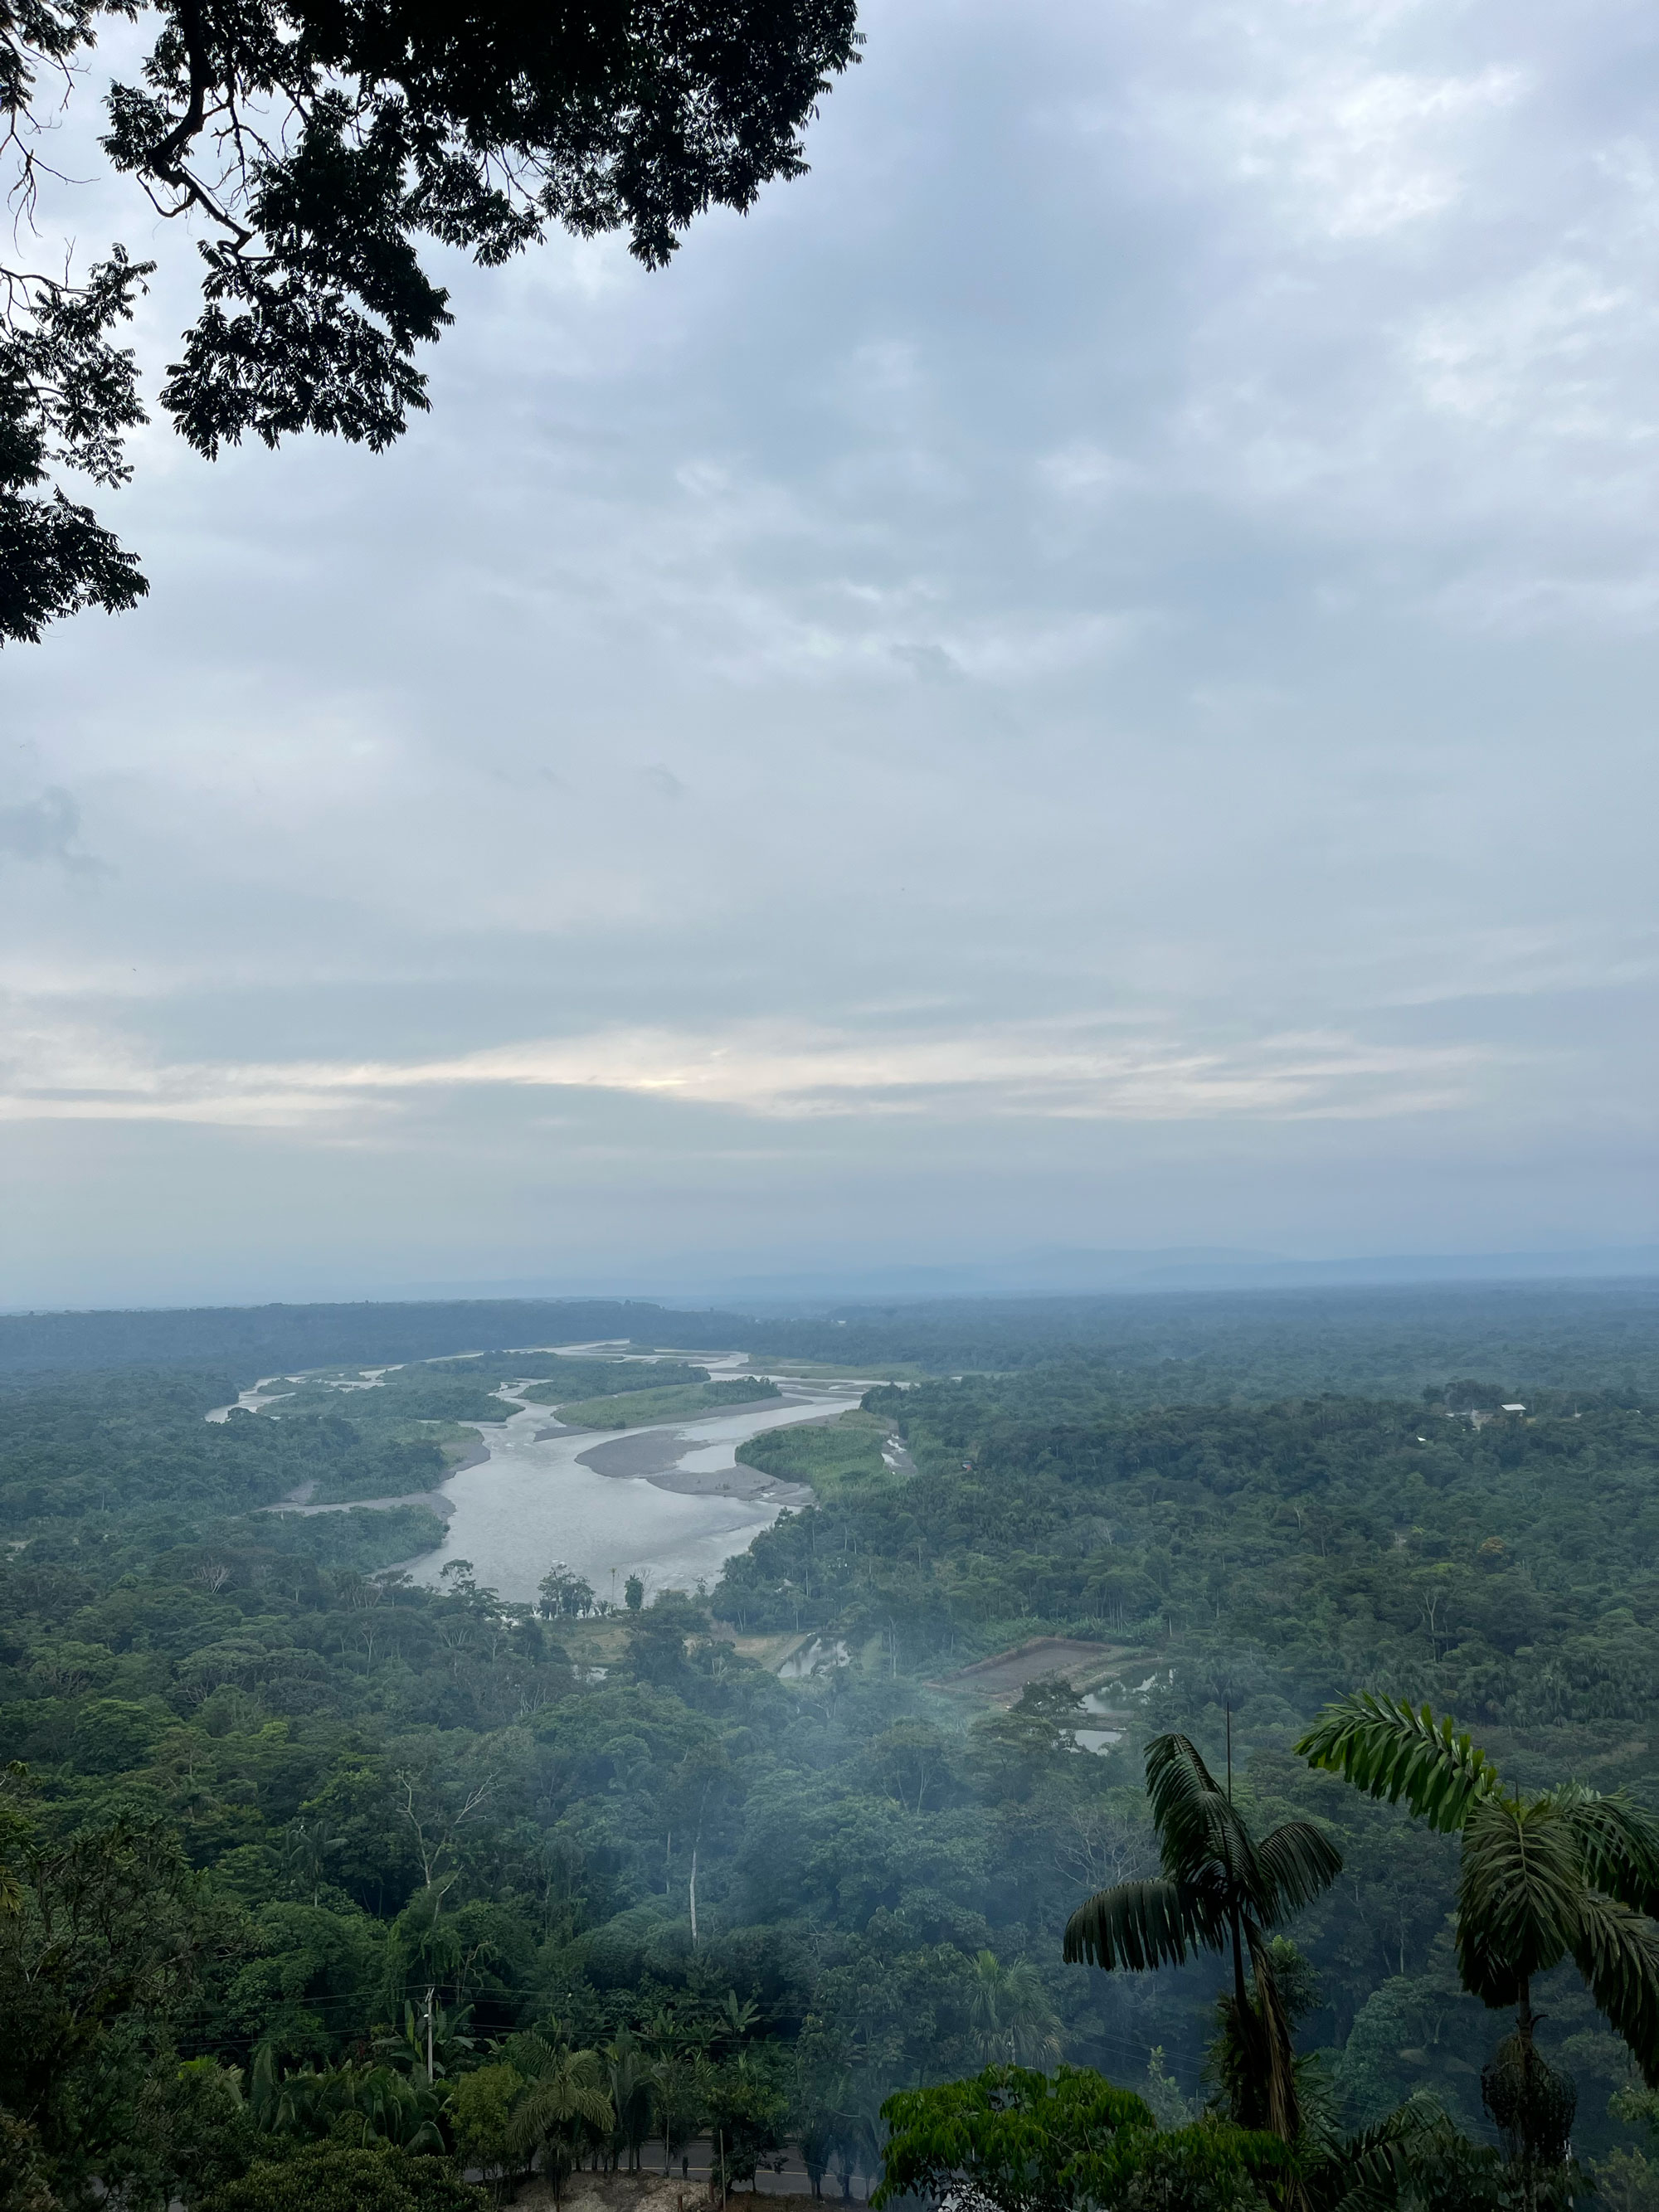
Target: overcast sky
(1083, 676)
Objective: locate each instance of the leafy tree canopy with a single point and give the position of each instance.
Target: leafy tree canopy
(315, 147)
(1039, 2144)
(338, 2177)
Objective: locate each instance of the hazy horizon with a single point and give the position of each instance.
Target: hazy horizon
(818, 1283)
(1081, 679)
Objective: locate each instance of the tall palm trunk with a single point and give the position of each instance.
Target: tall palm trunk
(1244, 2026)
(1526, 2021)
(1221, 1889)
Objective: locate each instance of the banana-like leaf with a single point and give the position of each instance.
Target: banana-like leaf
(1135, 1924)
(1294, 1863)
(1618, 1844)
(1519, 1894)
(1390, 1750)
(1617, 1952)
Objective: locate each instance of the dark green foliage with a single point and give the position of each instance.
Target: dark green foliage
(1390, 1750)
(574, 1378)
(1416, 2160)
(67, 396)
(1179, 1349)
(382, 127)
(101, 1941)
(130, 1443)
(338, 2177)
(1221, 1890)
(249, 1341)
(825, 1454)
(1036, 2143)
(366, 1789)
(24, 2184)
(407, 1394)
(1566, 1873)
(750, 2117)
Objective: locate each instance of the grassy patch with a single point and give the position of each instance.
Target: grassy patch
(641, 1409)
(610, 1378)
(832, 1456)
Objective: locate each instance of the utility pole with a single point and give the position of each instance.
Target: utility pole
(428, 2038)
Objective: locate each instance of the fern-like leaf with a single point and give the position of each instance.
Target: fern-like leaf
(1617, 1952)
(1413, 2157)
(1391, 1750)
(1618, 1844)
(1519, 1892)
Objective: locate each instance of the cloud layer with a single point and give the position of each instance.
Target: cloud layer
(1083, 674)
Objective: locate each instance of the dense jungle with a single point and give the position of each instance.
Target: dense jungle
(325, 1886)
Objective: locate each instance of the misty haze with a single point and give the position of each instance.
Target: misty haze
(828, 1261)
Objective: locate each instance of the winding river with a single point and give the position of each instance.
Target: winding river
(666, 1501)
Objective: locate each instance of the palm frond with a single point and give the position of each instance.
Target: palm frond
(1518, 1894)
(1295, 1862)
(1179, 1785)
(1390, 1750)
(1197, 1824)
(1618, 1844)
(1135, 1924)
(570, 2092)
(1413, 2157)
(1617, 1952)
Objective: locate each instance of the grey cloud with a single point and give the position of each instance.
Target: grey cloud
(931, 663)
(1156, 527)
(46, 828)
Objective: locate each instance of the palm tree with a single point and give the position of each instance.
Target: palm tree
(629, 2081)
(564, 2102)
(1010, 2017)
(678, 2086)
(1221, 1891)
(1567, 1873)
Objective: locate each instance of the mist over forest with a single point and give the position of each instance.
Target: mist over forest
(739, 1878)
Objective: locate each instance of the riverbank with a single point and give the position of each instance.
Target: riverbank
(654, 1456)
(435, 1501)
(668, 1500)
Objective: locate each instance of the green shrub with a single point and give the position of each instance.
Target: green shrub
(336, 2177)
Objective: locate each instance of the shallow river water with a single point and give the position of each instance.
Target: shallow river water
(531, 1503)
(667, 1502)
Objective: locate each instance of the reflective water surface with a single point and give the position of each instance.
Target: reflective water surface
(531, 1504)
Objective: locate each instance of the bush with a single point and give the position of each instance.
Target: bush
(23, 2185)
(334, 2177)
